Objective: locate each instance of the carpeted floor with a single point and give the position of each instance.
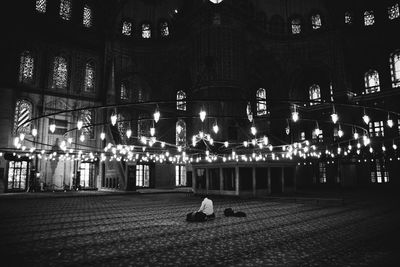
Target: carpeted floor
(150, 230)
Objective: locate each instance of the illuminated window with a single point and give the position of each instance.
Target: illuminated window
(261, 102)
(371, 79)
(376, 129)
(41, 6)
(164, 29)
(87, 117)
(393, 11)
(348, 19)
(322, 172)
(60, 73)
(369, 18)
(296, 26)
(180, 133)
(146, 31)
(124, 92)
(23, 113)
(379, 173)
(127, 28)
(316, 21)
(17, 175)
(89, 77)
(26, 66)
(86, 171)
(87, 16)
(181, 100)
(314, 94)
(65, 9)
(180, 175)
(395, 69)
(142, 175)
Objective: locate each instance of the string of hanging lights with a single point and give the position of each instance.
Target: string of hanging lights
(257, 147)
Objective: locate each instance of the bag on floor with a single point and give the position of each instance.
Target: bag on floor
(239, 214)
(228, 212)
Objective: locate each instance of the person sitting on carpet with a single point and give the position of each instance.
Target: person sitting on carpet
(205, 212)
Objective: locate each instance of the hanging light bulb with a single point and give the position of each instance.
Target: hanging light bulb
(245, 144)
(152, 131)
(334, 115)
(156, 115)
(295, 114)
(366, 118)
(394, 146)
(202, 114)
(82, 137)
(16, 141)
(226, 143)
(253, 130)
(340, 131)
(22, 136)
(215, 127)
(162, 144)
(265, 140)
(34, 132)
(128, 133)
(317, 131)
(178, 129)
(390, 121)
(356, 135)
(194, 140)
(113, 119)
(79, 124)
(102, 136)
(52, 127)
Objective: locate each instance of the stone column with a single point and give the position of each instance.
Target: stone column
(269, 180)
(237, 180)
(254, 180)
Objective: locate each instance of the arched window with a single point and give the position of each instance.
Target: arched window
(348, 18)
(23, 113)
(261, 96)
(296, 26)
(316, 21)
(164, 29)
(126, 28)
(393, 11)
(369, 18)
(60, 73)
(87, 16)
(180, 133)
(41, 6)
(395, 68)
(181, 100)
(314, 94)
(371, 78)
(65, 9)
(26, 67)
(89, 77)
(124, 95)
(146, 31)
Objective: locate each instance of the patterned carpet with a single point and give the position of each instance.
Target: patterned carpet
(150, 230)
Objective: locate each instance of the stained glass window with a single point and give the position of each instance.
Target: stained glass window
(146, 31)
(180, 133)
(127, 28)
(60, 73)
(87, 16)
(261, 102)
(23, 113)
(395, 69)
(369, 18)
(65, 9)
(89, 77)
(181, 100)
(376, 129)
(26, 67)
(124, 91)
(314, 94)
(371, 82)
(393, 11)
(379, 173)
(348, 19)
(87, 116)
(41, 6)
(164, 29)
(296, 26)
(316, 21)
